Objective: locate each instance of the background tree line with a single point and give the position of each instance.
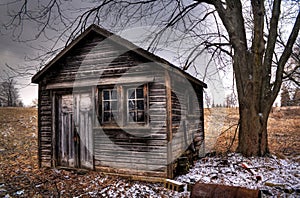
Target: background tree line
(290, 91)
(9, 93)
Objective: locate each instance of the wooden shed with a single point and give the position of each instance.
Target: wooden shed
(106, 104)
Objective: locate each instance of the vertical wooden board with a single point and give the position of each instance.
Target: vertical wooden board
(39, 125)
(65, 140)
(82, 139)
(72, 139)
(90, 142)
(85, 129)
(122, 110)
(169, 124)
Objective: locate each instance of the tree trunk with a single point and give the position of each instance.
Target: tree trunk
(254, 105)
(253, 139)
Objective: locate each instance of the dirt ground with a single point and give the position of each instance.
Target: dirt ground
(21, 177)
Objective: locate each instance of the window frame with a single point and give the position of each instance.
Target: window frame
(136, 110)
(122, 111)
(112, 112)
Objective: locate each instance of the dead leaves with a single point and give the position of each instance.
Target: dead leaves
(21, 177)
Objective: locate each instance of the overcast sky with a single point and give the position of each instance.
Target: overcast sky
(14, 53)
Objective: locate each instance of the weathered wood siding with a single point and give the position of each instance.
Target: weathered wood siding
(187, 117)
(141, 150)
(45, 144)
(99, 59)
(95, 61)
(198, 125)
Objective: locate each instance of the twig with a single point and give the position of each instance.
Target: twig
(230, 128)
(236, 129)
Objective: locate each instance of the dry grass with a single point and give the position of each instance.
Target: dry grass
(19, 172)
(18, 137)
(283, 130)
(21, 177)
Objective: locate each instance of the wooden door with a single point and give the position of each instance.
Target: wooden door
(83, 124)
(75, 146)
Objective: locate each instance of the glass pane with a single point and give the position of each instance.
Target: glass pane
(139, 93)
(131, 93)
(106, 117)
(114, 105)
(132, 117)
(106, 105)
(140, 116)
(140, 104)
(131, 104)
(113, 94)
(106, 95)
(114, 115)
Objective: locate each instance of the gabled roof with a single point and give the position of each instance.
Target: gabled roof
(119, 40)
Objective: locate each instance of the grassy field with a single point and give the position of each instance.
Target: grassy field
(283, 130)
(21, 177)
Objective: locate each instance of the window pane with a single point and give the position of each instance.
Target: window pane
(131, 94)
(114, 115)
(136, 104)
(131, 104)
(140, 93)
(114, 94)
(106, 105)
(114, 105)
(140, 104)
(109, 105)
(106, 95)
(106, 117)
(132, 116)
(140, 116)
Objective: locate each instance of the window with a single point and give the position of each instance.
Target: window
(136, 105)
(131, 110)
(109, 105)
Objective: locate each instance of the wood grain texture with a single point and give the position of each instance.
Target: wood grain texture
(94, 64)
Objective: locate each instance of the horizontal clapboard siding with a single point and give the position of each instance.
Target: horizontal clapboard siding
(128, 150)
(146, 149)
(98, 58)
(45, 127)
(187, 114)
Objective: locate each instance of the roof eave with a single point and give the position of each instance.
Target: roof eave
(39, 74)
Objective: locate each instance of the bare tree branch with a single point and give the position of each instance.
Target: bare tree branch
(285, 56)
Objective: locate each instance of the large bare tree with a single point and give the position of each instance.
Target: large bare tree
(246, 34)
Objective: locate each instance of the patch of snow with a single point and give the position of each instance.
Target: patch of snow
(271, 175)
(20, 192)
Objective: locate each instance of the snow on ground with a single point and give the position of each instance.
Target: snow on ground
(122, 188)
(273, 176)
